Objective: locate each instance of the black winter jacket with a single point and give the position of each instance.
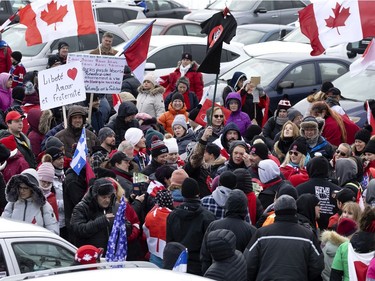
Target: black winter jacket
(284, 250)
(229, 263)
(130, 84)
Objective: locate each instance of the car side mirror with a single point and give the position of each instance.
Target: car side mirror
(150, 66)
(285, 85)
(260, 10)
(282, 33)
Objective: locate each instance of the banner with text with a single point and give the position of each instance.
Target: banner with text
(103, 74)
(61, 85)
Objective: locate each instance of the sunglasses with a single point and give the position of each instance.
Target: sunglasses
(295, 153)
(218, 116)
(341, 153)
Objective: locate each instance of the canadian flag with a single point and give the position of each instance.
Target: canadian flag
(367, 59)
(53, 19)
(329, 22)
(116, 99)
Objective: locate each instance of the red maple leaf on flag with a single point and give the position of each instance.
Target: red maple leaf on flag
(54, 14)
(339, 18)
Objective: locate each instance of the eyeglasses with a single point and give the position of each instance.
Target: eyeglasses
(341, 153)
(218, 116)
(295, 153)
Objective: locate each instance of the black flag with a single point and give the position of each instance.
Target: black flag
(219, 29)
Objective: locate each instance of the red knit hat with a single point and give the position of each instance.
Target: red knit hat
(9, 142)
(178, 177)
(346, 227)
(88, 254)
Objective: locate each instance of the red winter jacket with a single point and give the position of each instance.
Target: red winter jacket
(15, 165)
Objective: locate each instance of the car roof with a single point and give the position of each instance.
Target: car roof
(117, 5)
(162, 21)
(295, 57)
(8, 226)
(264, 26)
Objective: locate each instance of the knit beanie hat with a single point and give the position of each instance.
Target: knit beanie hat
(178, 177)
(326, 86)
(363, 135)
(133, 135)
(152, 135)
(268, 170)
(187, 56)
(53, 142)
(252, 131)
(10, 143)
(151, 78)
(126, 96)
(344, 195)
(55, 152)
(288, 190)
(228, 179)
(299, 145)
(88, 254)
(244, 180)
(172, 145)
(190, 188)
(103, 187)
(180, 119)
(260, 149)
(158, 148)
(285, 203)
(17, 56)
(104, 133)
(46, 172)
(183, 80)
(61, 45)
(293, 113)
(177, 96)
(370, 147)
(236, 143)
(284, 104)
(164, 198)
(346, 227)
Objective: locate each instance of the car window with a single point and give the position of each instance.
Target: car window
(247, 37)
(173, 54)
(129, 15)
(274, 36)
(331, 71)
(198, 52)
(302, 75)
(163, 5)
(236, 5)
(268, 5)
(194, 30)
(150, 6)
(282, 5)
(227, 56)
(112, 15)
(175, 30)
(298, 4)
(3, 264)
(36, 256)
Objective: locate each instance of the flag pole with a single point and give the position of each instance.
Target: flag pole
(213, 101)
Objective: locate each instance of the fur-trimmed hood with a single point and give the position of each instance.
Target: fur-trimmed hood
(30, 178)
(333, 237)
(155, 91)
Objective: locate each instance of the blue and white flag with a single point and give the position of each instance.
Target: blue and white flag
(79, 157)
(181, 263)
(117, 247)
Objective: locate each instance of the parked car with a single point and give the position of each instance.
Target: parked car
(25, 247)
(36, 57)
(296, 75)
(355, 91)
(166, 9)
(165, 51)
(248, 34)
(6, 10)
(163, 26)
(253, 11)
(117, 13)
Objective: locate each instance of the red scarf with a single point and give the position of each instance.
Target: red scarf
(272, 183)
(252, 206)
(187, 100)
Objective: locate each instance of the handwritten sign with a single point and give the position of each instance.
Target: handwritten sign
(103, 74)
(61, 85)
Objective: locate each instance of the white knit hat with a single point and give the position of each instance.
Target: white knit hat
(133, 135)
(172, 145)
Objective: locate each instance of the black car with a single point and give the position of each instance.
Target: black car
(165, 9)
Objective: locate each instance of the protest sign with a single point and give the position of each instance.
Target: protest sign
(102, 74)
(61, 85)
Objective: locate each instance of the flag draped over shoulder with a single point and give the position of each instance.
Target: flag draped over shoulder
(136, 51)
(367, 59)
(329, 22)
(117, 243)
(219, 29)
(80, 154)
(48, 20)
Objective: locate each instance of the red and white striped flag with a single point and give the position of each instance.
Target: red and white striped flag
(116, 99)
(370, 118)
(367, 59)
(8, 21)
(47, 20)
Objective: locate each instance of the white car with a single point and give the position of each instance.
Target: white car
(166, 50)
(36, 57)
(25, 247)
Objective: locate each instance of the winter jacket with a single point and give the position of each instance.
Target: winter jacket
(233, 84)
(294, 174)
(5, 58)
(255, 110)
(331, 241)
(155, 228)
(89, 223)
(229, 263)
(166, 119)
(331, 131)
(270, 130)
(102, 51)
(235, 213)
(130, 84)
(151, 101)
(14, 165)
(222, 140)
(39, 123)
(195, 80)
(117, 122)
(322, 146)
(183, 141)
(124, 178)
(241, 119)
(187, 224)
(51, 133)
(58, 180)
(189, 98)
(267, 195)
(151, 168)
(5, 93)
(269, 255)
(17, 71)
(35, 209)
(70, 135)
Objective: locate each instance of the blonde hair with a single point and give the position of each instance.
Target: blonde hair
(296, 132)
(354, 209)
(287, 160)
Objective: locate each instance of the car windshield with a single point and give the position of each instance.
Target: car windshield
(358, 87)
(247, 37)
(233, 5)
(131, 29)
(296, 36)
(15, 36)
(266, 69)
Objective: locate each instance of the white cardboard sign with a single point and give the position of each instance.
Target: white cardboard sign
(103, 74)
(61, 85)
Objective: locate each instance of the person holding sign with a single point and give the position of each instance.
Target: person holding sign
(106, 47)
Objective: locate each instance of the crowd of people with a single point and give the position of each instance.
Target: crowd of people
(252, 195)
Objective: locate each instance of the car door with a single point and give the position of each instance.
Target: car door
(6, 268)
(270, 16)
(288, 10)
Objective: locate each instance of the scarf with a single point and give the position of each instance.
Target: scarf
(281, 121)
(187, 100)
(184, 70)
(271, 183)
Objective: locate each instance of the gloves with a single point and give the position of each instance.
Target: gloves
(129, 228)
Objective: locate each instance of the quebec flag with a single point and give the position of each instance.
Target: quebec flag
(181, 263)
(79, 157)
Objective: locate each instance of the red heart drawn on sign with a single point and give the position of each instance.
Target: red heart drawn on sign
(72, 73)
